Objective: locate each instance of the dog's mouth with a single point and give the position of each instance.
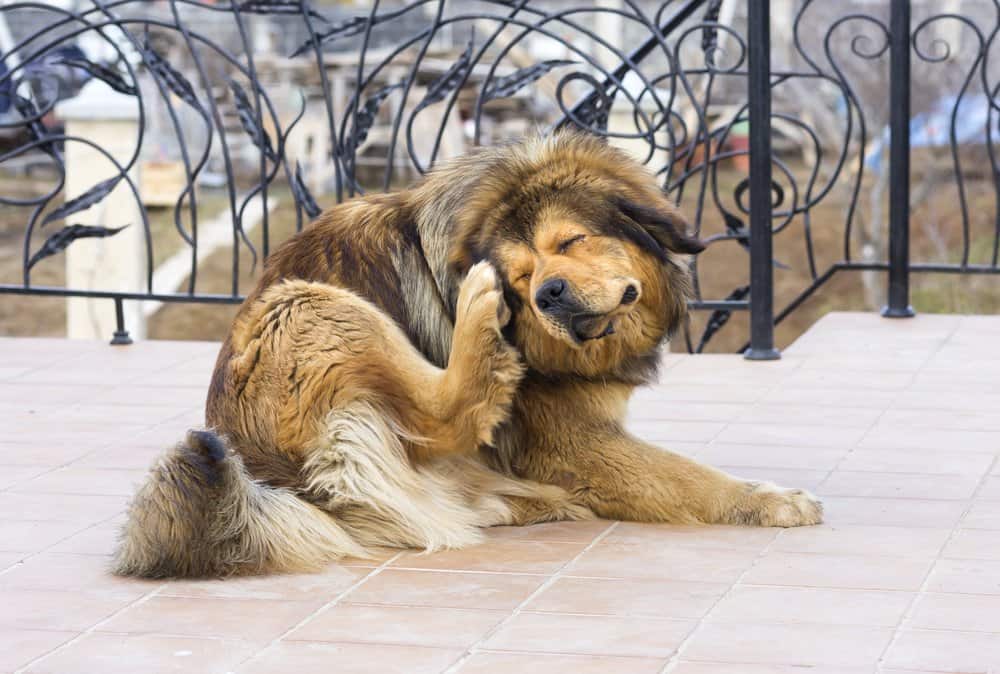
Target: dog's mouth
(588, 327)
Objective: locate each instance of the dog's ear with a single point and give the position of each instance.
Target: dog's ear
(655, 229)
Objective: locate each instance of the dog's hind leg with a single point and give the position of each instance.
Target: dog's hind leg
(328, 348)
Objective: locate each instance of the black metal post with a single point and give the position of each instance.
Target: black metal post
(899, 162)
(121, 336)
(761, 255)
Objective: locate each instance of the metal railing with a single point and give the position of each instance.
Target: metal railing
(230, 82)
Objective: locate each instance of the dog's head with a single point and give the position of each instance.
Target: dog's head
(590, 251)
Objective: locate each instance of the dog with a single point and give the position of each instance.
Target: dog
(416, 366)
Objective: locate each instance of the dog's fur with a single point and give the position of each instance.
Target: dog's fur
(394, 379)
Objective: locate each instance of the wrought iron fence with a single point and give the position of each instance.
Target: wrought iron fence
(223, 87)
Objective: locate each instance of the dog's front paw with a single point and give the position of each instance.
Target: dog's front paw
(767, 505)
(480, 298)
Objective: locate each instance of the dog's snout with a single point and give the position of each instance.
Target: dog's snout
(552, 294)
(630, 295)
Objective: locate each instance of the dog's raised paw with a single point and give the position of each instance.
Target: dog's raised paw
(481, 297)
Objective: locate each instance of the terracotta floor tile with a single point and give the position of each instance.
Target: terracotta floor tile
(496, 555)
(9, 559)
(944, 651)
(820, 415)
(28, 536)
(98, 539)
(898, 485)
(684, 667)
(77, 573)
(970, 576)
(11, 476)
(917, 461)
(48, 454)
(56, 609)
(324, 658)
(310, 587)
(973, 544)
(19, 647)
(863, 540)
(789, 644)
(81, 508)
(892, 512)
(785, 477)
(683, 411)
(597, 635)
(905, 437)
(621, 560)
(144, 415)
(403, 625)
(752, 604)
(666, 432)
(847, 396)
(553, 532)
(990, 489)
(628, 597)
(691, 392)
(446, 589)
(707, 536)
(838, 571)
(123, 457)
(772, 456)
(983, 515)
(841, 378)
(946, 400)
(258, 620)
(489, 662)
(79, 480)
(834, 437)
(969, 420)
(148, 654)
(962, 612)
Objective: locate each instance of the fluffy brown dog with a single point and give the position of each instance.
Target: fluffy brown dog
(413, 367)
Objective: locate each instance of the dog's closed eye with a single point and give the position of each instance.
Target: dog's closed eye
(564, 246)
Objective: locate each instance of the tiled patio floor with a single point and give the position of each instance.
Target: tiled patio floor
(895, 423)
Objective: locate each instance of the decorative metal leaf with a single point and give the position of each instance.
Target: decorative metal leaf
(67, 235)
(279, 7)
(447, 83)
(175, 81)
(353, 26)
(302, 195)
(720, 317)
(508, 85)
(594, 111)
(366, 117)
(84, 201)
(36, 128)
(106, 74)
(248, 120)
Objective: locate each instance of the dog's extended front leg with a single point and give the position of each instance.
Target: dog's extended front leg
(621, 477)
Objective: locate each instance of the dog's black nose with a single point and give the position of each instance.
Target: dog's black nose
(551, 295)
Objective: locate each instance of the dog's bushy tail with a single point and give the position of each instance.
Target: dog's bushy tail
(201, 514)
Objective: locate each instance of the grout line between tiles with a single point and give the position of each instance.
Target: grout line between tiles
(471, 650)
(678, 652)
(93, 628)
(907, 616)
(333, 602)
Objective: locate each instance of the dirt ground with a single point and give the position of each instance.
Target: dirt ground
(936, 237)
